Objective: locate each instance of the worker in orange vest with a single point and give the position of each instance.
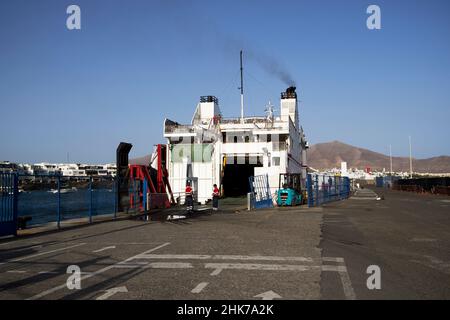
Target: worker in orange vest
(215, 195)
(189, 197)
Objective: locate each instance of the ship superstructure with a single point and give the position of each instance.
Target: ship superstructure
(213, 150)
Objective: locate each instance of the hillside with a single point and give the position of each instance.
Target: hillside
(331, 154)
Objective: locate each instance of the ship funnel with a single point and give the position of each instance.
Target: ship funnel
(289, 93)
(289, 109)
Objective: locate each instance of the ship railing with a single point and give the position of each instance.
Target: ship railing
(179, 128)
(247, 120)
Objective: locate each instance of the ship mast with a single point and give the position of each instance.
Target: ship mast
(242, 92)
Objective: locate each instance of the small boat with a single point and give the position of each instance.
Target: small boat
(64, 190)
(67, 190)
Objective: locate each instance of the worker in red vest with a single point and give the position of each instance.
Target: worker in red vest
(216, 195)
(189, 197)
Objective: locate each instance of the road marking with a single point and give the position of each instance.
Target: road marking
(269, 295)
(54, 289)
(347, 285)
(345, 280)
(130, 266)
(199, 287)
(216, 272)
(222, 257)
(103, 249)
(16, 271)
(136, 264)
(111, 292)
(169, 265)
(264, 258)
(5, 243)
(47, 272)
(423, 240)
(333, 259)
(218, 267)
(175, 256)
(334, 268)
(258, 266)
(46, 252)
(435, 263)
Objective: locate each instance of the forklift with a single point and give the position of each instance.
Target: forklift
(289, 190)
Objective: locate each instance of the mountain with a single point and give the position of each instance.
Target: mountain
(330, 155)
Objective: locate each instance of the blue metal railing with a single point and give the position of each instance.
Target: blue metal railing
(57, 199)
(260, 191)
(323, 188)
(8, 204)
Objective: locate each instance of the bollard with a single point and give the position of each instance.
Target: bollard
(249, 201)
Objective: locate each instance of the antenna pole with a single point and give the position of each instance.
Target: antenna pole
(242, 92)
(390, 157)
(410, 157)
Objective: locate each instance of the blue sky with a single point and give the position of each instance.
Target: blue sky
(134, 63)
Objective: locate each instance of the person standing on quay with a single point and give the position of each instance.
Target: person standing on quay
(189, 198)
(216, 194)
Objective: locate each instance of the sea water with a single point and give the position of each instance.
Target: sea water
(42, 205)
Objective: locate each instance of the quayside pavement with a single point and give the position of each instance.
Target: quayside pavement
(280, 253)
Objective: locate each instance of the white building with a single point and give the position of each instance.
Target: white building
(71, 170)
(45, 168)
(227, 152)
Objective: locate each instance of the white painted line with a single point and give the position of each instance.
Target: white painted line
(216, 272)
(269, 295)
(334, 268)
(130, 266)
(257, 266)
(111, 292)
(54, 289)
(16, 271)
(169, 265)
(347, 285)
(103, 249)
(134, 264)
(46, 252)
(262, 258)
(47, 272)
(222, 257)
(333, 259)
(423, 240)
(5, 243)
(199, 287)
(175, 256)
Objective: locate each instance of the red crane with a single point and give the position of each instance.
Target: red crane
(142, 184)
